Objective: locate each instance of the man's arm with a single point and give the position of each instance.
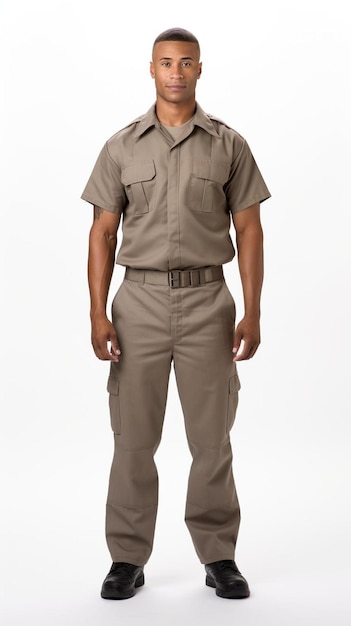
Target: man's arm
(101, 261)
(249, 240)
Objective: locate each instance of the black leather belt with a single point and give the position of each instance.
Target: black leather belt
(176, 279)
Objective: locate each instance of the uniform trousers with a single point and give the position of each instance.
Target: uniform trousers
(193, 328)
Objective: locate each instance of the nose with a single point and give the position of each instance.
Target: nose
(176, 72)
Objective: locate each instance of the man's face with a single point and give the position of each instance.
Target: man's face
(176, 68)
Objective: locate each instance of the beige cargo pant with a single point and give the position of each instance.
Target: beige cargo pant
(193, 327)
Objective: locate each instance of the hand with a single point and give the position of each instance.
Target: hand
(102, 333)
(247, 333)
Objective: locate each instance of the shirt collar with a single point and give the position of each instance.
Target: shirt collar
(150, 119)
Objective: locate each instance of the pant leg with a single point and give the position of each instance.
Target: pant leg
(138, 387)
(208, 386)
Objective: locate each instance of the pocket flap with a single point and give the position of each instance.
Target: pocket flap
(212, 170)
(138, 172)
(234, 384)
(113, 385)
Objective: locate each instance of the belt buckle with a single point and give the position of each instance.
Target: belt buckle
(174, 279)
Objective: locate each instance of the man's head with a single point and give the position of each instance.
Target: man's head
(177, 34)
(175, 65)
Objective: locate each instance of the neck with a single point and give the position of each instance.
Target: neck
(173, 114)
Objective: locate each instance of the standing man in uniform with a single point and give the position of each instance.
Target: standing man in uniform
(177, 176)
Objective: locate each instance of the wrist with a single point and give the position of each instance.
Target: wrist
(253, 315)
(97, 315)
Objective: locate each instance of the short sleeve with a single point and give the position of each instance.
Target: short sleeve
(104, 187)
(246, 185)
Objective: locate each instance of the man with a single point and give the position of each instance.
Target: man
(176, 175)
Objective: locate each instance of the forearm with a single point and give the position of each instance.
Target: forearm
(250, 261)
(101, 260)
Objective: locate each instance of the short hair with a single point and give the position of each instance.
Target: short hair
(177, 34)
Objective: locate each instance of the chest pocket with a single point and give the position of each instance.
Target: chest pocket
(206, 184)
(139, 181)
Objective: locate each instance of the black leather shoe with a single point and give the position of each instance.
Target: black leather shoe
(121, 581)
(225, 577)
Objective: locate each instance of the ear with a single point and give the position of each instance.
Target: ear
(152, 71)
(199, 70)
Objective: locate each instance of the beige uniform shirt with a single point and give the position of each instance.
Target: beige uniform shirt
(176, 196)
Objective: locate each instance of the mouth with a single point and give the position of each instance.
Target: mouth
(176, 87)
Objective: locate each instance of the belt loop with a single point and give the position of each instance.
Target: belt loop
(195, 278)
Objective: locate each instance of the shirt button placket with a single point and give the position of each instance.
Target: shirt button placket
(173, 209)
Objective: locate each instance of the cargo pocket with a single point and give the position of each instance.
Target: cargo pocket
(233, 398)
(139, 181)
(115, 414)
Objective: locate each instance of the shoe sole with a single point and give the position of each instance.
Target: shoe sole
(232, 595)
(117, 595)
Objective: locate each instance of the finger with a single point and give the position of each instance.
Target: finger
(114, 352)
(114, 346)
(106, 355)
(238, 336)
(247, 352)
(103, 353)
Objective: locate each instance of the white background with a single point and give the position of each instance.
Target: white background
(73, 73)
